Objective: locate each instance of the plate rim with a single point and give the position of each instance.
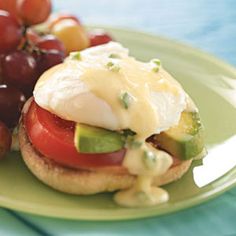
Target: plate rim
(180, 206)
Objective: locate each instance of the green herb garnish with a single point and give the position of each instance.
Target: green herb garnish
(125, 99)
(149, 159)
(155, 69)
(114, 55)
(75, 56)
(128, 132)
(157, 62)
(132, 143)
(113, 67)
(157, 65)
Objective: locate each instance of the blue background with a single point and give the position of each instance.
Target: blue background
(208, 25)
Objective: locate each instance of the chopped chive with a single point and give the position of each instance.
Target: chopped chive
(128, 132)
(75, 56)
(128, 140)
(149, 159)
(114, 55)
(157, 65)
(125, 99)
(110, 64)
(155, 69)
(113, 67)
(157, 62)
(132, 143)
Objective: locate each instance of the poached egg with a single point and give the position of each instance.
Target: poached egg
(89, 91)
(104, 86)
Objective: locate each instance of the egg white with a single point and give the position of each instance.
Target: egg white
(63, 93)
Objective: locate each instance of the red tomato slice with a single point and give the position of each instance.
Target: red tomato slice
(54, 138)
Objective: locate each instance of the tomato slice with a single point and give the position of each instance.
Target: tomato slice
(54, 138)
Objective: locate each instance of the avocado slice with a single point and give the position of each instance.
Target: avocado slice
(184, 141)
(90, 139)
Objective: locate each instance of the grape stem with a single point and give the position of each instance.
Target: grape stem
(25, 28)
(28, 45)
(24, 33)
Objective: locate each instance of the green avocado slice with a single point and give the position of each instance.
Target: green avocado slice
(184, 141)
(89, 139)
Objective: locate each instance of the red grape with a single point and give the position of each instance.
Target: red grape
(5, 140)
(10, 6)
(33, 12)
(19, 70)
(1, 59)
(98, 37)
(11, 32)
(11, 103)
(49, 59)
(50, 42)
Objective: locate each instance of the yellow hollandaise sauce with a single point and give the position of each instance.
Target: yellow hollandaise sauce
(126, 85)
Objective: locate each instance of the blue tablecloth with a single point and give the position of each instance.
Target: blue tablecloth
(206, 24)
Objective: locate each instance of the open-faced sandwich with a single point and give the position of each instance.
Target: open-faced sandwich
(103, 121)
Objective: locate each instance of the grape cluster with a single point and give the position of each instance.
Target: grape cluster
(32, 40)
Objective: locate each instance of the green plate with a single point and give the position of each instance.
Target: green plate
(212, 85)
